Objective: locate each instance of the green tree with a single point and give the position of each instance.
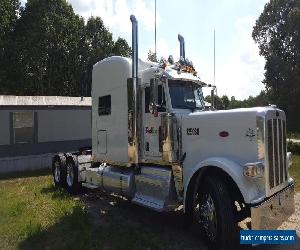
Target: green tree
(121, 48)
(218, 101)
(45, 49)
(52, 51)
(225, 101)
(8, 16)
(257, 101)
(234, 103)
(277, 32)
(99, 45)
(152, 57)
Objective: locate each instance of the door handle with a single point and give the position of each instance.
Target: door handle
(160, 138)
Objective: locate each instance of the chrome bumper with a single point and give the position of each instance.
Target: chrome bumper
(273, 211)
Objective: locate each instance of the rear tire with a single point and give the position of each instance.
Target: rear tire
(213, 214)
(72, 184)
(59, 170)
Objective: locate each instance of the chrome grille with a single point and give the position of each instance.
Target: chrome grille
(276, 143)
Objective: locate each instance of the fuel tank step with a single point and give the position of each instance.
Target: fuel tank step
(155, 189)
(112, 179)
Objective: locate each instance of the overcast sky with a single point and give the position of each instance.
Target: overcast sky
(239, 68)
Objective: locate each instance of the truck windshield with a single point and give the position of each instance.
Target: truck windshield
(186, 95)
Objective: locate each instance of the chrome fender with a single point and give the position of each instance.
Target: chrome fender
(247, 186)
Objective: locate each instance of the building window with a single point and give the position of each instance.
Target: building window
(23, 127)
(104, 107)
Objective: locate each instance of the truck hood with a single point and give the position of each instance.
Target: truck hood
(226, 133)
(236, 112)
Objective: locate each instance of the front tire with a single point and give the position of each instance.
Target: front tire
(213, 214)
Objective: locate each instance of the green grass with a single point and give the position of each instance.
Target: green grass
(36, 215)
(295, 171)
(33, 214)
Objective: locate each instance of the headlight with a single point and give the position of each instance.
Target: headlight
(289, 159)
(260, 127)
(254, 170)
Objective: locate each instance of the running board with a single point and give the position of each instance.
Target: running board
(89, 185)
(149, 202)
(155, 189)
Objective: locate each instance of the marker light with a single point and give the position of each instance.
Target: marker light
(254, 170)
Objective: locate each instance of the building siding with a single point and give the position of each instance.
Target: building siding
(56, 129)
(42, 148)
(61, 125)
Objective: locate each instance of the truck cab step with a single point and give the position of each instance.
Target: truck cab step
(155, 188)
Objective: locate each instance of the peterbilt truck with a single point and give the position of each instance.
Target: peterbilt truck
(155, 143)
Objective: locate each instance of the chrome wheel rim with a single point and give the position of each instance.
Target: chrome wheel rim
(207, 216)
(56, 171)
(70, 175)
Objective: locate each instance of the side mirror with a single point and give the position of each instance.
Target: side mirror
(153, 96)
(153, 108)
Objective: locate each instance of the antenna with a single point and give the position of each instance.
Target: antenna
(214, 57)
(155, 29)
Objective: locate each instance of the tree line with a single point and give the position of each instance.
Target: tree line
(46, 49)
(277, 33)
(224, 102)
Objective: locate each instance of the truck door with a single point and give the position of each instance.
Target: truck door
(152, 124)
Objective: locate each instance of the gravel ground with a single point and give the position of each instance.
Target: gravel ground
(295, 140)
(109, 209)
(294, 220)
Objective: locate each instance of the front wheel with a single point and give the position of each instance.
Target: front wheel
(213, 214)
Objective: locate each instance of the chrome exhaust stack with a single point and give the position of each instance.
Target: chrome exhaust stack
(182, 47)
(134, 102)
(135, 57)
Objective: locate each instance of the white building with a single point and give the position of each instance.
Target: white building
(32, 128)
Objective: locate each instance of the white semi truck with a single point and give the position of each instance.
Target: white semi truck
(154, 143)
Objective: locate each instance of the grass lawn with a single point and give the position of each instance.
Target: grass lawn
(295, 171)
(35, 215)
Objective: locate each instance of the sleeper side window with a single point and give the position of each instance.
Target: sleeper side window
(104, 106)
